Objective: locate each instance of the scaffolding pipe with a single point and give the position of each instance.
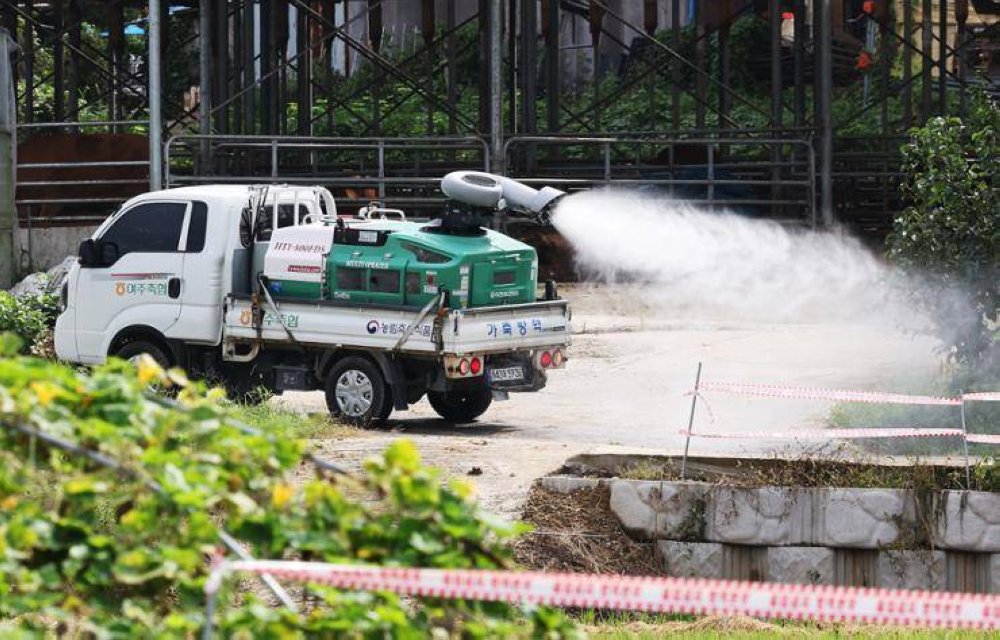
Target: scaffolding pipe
(205, 77)
(496, 88)
(155, 103)
(824, 118)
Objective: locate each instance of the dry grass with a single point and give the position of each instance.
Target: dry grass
(577, 532)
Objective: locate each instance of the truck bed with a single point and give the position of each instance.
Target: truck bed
(481, 330)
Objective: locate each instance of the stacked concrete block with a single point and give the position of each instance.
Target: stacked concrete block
(863, 537)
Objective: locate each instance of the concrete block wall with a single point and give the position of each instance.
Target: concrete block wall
(888, 538)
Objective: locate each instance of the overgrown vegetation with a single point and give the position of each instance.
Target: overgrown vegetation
(291, 424)
(826, 469)
(716, 628)
(92, 551)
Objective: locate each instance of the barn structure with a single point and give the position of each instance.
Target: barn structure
(791, 109)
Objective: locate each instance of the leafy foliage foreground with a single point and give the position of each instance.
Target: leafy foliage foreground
(88, 550)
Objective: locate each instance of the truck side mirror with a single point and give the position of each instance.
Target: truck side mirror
(108, 252)
(88, 253)
(95, 254)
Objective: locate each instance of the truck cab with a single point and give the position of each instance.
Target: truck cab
(264, 286)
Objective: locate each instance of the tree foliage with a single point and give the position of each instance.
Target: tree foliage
(88, 550)
(950, 233)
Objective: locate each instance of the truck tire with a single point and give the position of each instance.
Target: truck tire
(459, 407)
(386, 405)
(135, 348)
(356, 391)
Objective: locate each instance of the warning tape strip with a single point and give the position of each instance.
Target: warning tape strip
(983, 396)
(841, 434)
(661, 595)
(983, 438)
(811, 393)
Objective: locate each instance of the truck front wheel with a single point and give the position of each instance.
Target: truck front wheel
(356, 391)
(462, 406)
(134, 348)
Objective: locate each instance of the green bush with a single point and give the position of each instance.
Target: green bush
(949, 236)
(28, 317)
(87, 550)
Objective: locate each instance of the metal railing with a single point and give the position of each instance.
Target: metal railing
(749, 171)
(775, 177)
(399, 171)
(867, 172)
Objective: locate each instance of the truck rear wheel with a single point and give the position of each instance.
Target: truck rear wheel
(460, 407)
(356, 391)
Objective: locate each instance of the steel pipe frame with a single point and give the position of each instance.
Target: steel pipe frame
(79, 49)
(943, 48)
(155, 98)
(496, 84)
(342, 102)
(907, 82)
(824, 115)
(948, 49)
(381, 61)
(277, 143)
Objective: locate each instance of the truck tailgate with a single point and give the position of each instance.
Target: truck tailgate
(508, 327)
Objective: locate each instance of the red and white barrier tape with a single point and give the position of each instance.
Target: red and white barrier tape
(983, 438)
(840, 434)
(810, 393)
(983, 396)
(662, 595)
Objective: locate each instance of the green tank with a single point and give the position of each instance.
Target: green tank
(400, 263)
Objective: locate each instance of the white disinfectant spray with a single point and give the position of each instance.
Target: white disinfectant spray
(722, 265)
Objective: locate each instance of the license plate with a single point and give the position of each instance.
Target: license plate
(507, 374)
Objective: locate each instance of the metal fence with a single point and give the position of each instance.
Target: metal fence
(773, 177)
(401, 171)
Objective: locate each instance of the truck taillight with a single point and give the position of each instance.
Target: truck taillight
(558, 358)
(463, 367)
(550, 359)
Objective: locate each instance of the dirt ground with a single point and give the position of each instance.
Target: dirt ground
(625, 387)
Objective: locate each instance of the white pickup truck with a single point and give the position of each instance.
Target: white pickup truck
(257, 286)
